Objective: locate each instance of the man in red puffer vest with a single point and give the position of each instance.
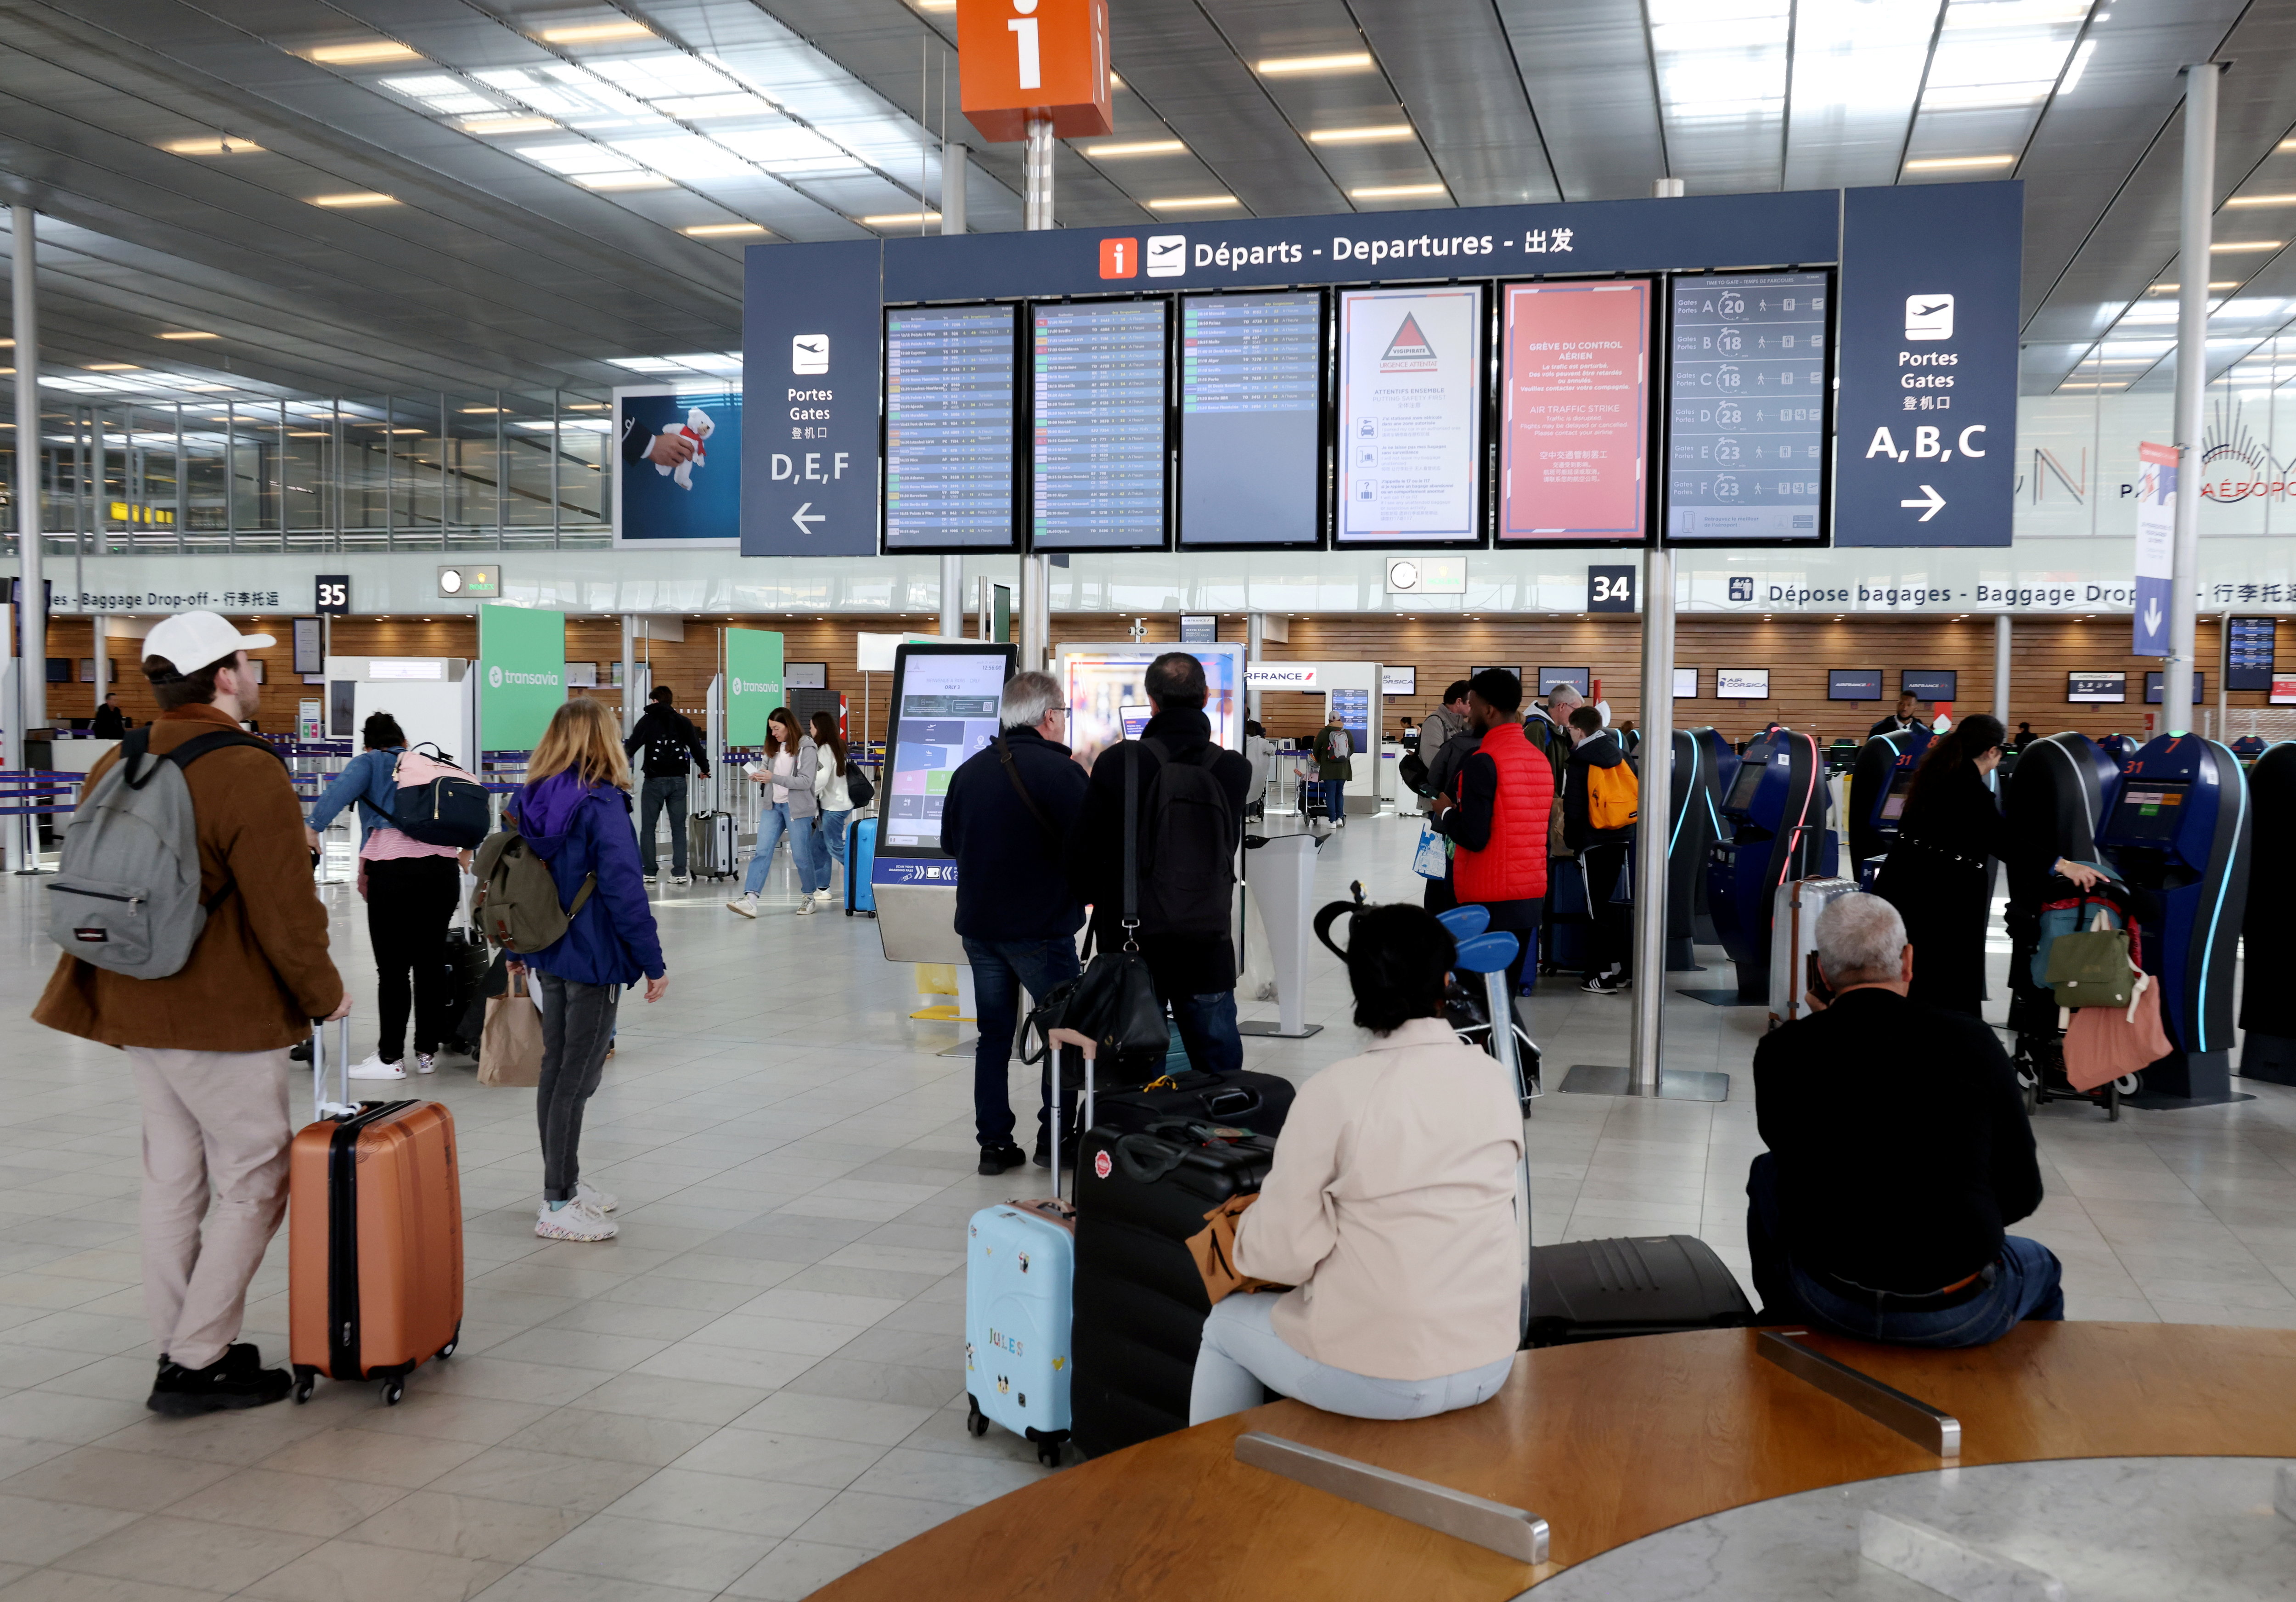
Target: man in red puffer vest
(1497, 817)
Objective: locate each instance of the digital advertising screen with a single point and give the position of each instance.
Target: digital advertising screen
(1097, 449)
(1106, 689)
(680, 483)
(1354, 710)
(1251, 446)
(1929, 684)
(1574, 411)
(1747, 400)
(1581, 679)
(945, 705)
(1853, 684)
(1410, 414)
(949, 428)
(2097, 688)
(1741, 683)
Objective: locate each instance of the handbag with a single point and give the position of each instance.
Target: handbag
(1115, 1000)
(2092, 966)
(858, 789)
(510, 1045)
(2105, 1043)
(1432, 860)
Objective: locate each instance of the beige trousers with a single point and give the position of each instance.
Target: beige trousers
(216, 1132)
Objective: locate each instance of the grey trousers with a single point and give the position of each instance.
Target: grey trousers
(1242, 1352)
(656, 795)
(578, 1025)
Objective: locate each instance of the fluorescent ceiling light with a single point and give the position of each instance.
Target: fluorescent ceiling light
(896, 219)
(596, 33)
(1973, 97)
(1139, 147)
(2080, 65)
(362, 54)
(586, 405)
(2110, 383)
(506, 125)
(1115, 82)
(2237, 247)
(189, 336)
(1947, 163)
(2171, 288)
(1363, 135)
(936, 4)
(1182, 202)
(1391, 192)
(722, 230)
(356, 197)
(111, 367)
(211, 144)
(1356, 61)
(578, 158)
(306, 433)
(482, 410)
(450, 97)
(688, 156)
(622, 180)
(2262, 200)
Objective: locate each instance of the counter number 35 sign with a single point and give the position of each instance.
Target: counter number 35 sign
(332, 594)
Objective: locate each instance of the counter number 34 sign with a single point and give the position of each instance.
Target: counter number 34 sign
(1610, 590)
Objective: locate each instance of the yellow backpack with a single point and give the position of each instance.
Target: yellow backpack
(1613, 797)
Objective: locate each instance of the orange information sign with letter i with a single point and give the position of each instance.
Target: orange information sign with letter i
(1021, 58)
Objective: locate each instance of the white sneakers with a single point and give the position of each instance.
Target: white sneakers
(809, 905)
(576, 1220)
(426, 1062)
(594, 1199)
(747, 906)
(374, 1067)
(681, 878)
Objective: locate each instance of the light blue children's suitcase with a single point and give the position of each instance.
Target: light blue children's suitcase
(1019, 1281)
(860, 861)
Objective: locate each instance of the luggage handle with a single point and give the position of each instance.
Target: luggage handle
(321, 1108)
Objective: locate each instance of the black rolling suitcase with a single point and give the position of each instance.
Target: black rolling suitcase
(1257, 1102)
(468, 961)
(1139, 1303)
(1595, 1290)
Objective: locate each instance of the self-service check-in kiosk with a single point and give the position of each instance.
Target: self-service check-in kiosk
(2267, 1002)
(2178, 833)
(1774, 812)
(1692, 824)
(1721, 773)
(2055, 803)
(945, 705)
(1879, 783)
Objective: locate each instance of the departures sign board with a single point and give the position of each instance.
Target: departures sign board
(1914, 325)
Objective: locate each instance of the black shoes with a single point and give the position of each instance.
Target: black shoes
(236, 1379)
(995, 1159)
(1605, 984)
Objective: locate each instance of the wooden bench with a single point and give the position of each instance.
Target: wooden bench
(1608, 1441)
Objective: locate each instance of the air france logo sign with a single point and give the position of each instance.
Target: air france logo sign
(1261, 676)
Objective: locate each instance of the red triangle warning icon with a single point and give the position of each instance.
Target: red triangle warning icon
(1410, 345)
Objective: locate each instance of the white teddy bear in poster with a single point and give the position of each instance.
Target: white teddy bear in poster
(698, 427)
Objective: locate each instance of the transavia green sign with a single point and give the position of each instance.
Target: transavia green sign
(753, 683)
(521, 674)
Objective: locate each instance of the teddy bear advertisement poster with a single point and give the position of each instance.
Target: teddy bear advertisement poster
(679, 479)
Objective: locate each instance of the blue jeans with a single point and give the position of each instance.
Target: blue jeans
(1207, 1025)
(2027, 1283)
(1242, 1352)
(833, 827)
(772, 822)
(1000, 969)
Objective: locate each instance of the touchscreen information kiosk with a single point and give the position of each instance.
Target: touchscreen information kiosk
(943, 709)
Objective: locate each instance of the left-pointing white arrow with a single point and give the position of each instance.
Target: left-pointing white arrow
(805, 514)
(1935, 503)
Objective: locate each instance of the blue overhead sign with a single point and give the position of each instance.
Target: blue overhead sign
(1925, 420)
(812, 330)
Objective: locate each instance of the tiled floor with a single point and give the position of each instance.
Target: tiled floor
(758, 1385)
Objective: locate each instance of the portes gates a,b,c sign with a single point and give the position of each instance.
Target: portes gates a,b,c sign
(1021, 58)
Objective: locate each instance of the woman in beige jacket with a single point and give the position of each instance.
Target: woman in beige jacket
(1392, 1208)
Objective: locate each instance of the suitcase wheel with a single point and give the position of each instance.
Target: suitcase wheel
(305, 1378)
(394, 1392)
(976, 1424)
(452, 1341)
(1048, 1453)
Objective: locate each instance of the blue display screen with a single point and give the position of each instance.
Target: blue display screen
(949, 428)
(1746, 395)
(1098, 449)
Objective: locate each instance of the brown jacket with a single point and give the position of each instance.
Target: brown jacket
(259, 972)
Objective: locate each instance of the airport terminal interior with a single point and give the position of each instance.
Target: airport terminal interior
(1830, 412)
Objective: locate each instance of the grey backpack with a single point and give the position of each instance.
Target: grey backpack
(127, 897)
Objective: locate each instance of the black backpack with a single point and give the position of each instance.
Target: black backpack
(1188, 842)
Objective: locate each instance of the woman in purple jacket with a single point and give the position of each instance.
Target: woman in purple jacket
(575, 812)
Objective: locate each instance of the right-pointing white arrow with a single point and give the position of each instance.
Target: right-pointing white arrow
(1934, 503)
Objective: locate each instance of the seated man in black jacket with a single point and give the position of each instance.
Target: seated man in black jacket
(1194, 972)
(1007, 824)
(1899, 1152)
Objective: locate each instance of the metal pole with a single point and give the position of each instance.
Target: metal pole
(2001, 630)
(1037, 182)
(1255, 646)
(183, 471)
(955, 170)
(1036, 572)
(102, 477)
(1649, 886)
(631, 706)
(2200, 82)
(32, 594)
(952, 598)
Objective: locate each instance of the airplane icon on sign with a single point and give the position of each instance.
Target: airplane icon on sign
(1929, 316)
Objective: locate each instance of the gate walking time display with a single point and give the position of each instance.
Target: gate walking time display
(1746, 370)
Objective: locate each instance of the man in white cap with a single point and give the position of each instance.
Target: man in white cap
(208, 1044)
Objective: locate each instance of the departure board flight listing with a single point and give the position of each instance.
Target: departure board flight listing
(1575, 411)
(1098, 449)
(1410, 413)
(1251, 448)
(1747, 402)
(949, 428)
(947, 711)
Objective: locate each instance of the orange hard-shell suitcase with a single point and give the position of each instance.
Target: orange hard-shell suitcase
(374, 1258)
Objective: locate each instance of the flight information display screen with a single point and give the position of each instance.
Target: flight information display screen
(1098, 446)
(2147, 812)
(1410, 413)
(1574, 410)
(949, 428)
(1251, 448)
(2248, 654)
(1747, 400)
(945, 709)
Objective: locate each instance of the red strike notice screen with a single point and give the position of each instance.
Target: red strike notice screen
(1574, 425)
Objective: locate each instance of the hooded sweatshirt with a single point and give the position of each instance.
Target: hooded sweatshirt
(581, 829)
(1597, 750)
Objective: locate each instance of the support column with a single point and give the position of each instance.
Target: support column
(2198, 203)
(1036, 631)
(1036, 176)
(2002, 626)
(1650, 869)
(32, 610)
(955, 171)
(100, 646)
(952, 598)
(1255, 645)
(632, 709)
(1034, 627)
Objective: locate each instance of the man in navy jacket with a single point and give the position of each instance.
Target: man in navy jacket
(1006, 819)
